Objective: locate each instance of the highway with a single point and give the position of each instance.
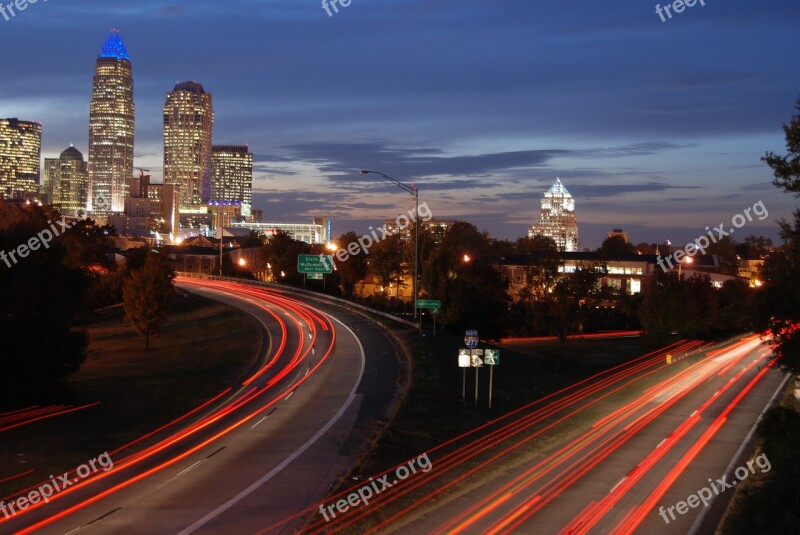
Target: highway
(257, 454)
(602, 456)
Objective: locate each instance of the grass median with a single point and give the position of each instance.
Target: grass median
(204, 347)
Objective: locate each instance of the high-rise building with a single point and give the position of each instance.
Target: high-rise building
(65, 181)
(188, 126)
(150, 209)
(111, 129)
(232, 176)
(557, 218)
(20, 150)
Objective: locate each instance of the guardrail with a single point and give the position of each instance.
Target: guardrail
(291, 289)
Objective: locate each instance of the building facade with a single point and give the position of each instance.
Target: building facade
(557, 218)
(111, 129)
(313, 233)
(66, 181)
(151, 210)
(20, 150)
(232, 176)
(188, 128)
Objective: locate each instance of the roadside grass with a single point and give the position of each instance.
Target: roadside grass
(204, 347)
(769, 502)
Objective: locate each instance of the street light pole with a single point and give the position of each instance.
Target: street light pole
(412, 189)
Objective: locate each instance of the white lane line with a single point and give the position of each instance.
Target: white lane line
(258, 422)
(290, 395)
(289, 460)
(184, 471)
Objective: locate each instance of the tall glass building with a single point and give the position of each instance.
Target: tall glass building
(188, 127)
(20, 150)
(557, 218)
(232, 177)
(65, 180)
(111, 129)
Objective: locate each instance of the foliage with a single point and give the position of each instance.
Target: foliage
(779, 302)
(147, 295)
(282, 252)
(472, 293)
(787, 167)
(41, 294)
(616, 245)
(352, 270)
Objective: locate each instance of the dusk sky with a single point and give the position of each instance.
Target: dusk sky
(655, 127)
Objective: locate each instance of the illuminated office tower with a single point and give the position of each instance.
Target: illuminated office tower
(557, 218)
(66, 180)
(188, 126)
(20, 149)
(111, 129)
(232, 178)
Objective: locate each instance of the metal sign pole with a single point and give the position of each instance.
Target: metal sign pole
(491, 379)
(463, 385)
(476, 385)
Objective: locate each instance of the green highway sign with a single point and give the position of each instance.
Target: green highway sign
(314, 263)
(315, 276)
(429, 303)
(491, 357)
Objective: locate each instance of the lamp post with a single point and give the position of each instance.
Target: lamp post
(412, 189)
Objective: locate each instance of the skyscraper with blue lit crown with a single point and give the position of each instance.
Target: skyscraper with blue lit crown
(111, 129)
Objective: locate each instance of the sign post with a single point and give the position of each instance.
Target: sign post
(491, 359)
(434, 305)
(463, 363)
(477, 363)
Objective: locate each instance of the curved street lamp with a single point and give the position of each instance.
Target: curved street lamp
(412, 189)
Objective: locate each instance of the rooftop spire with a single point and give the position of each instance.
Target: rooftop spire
(114, 47)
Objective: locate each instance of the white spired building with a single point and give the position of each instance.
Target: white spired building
(557, 218)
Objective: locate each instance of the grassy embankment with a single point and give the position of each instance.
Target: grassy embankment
(204, 347)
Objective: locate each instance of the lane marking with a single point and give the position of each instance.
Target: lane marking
(289, 460)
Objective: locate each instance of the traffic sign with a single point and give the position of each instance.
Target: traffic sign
(315, 276)
(314, 263)
(464, 358)
(491, 357)
(475, 357)
(471, 339)
(429, 303)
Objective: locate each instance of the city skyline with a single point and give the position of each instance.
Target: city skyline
(660, 147)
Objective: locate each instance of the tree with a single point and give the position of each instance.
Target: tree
(558, 303)
(147, 296)
(472, 293)
(787, 168)
(282, 253)
(754, 247)
(353, 269)
(616, 246)
(387, 261)
(41, 296)
(779, 299)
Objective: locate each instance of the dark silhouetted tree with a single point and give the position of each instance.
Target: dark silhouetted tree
(147, 296)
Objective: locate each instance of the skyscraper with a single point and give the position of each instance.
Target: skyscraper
(557, 218)
(20, 149)
(232, 177)
(66, 180)
(188, 127)
(111, 129)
